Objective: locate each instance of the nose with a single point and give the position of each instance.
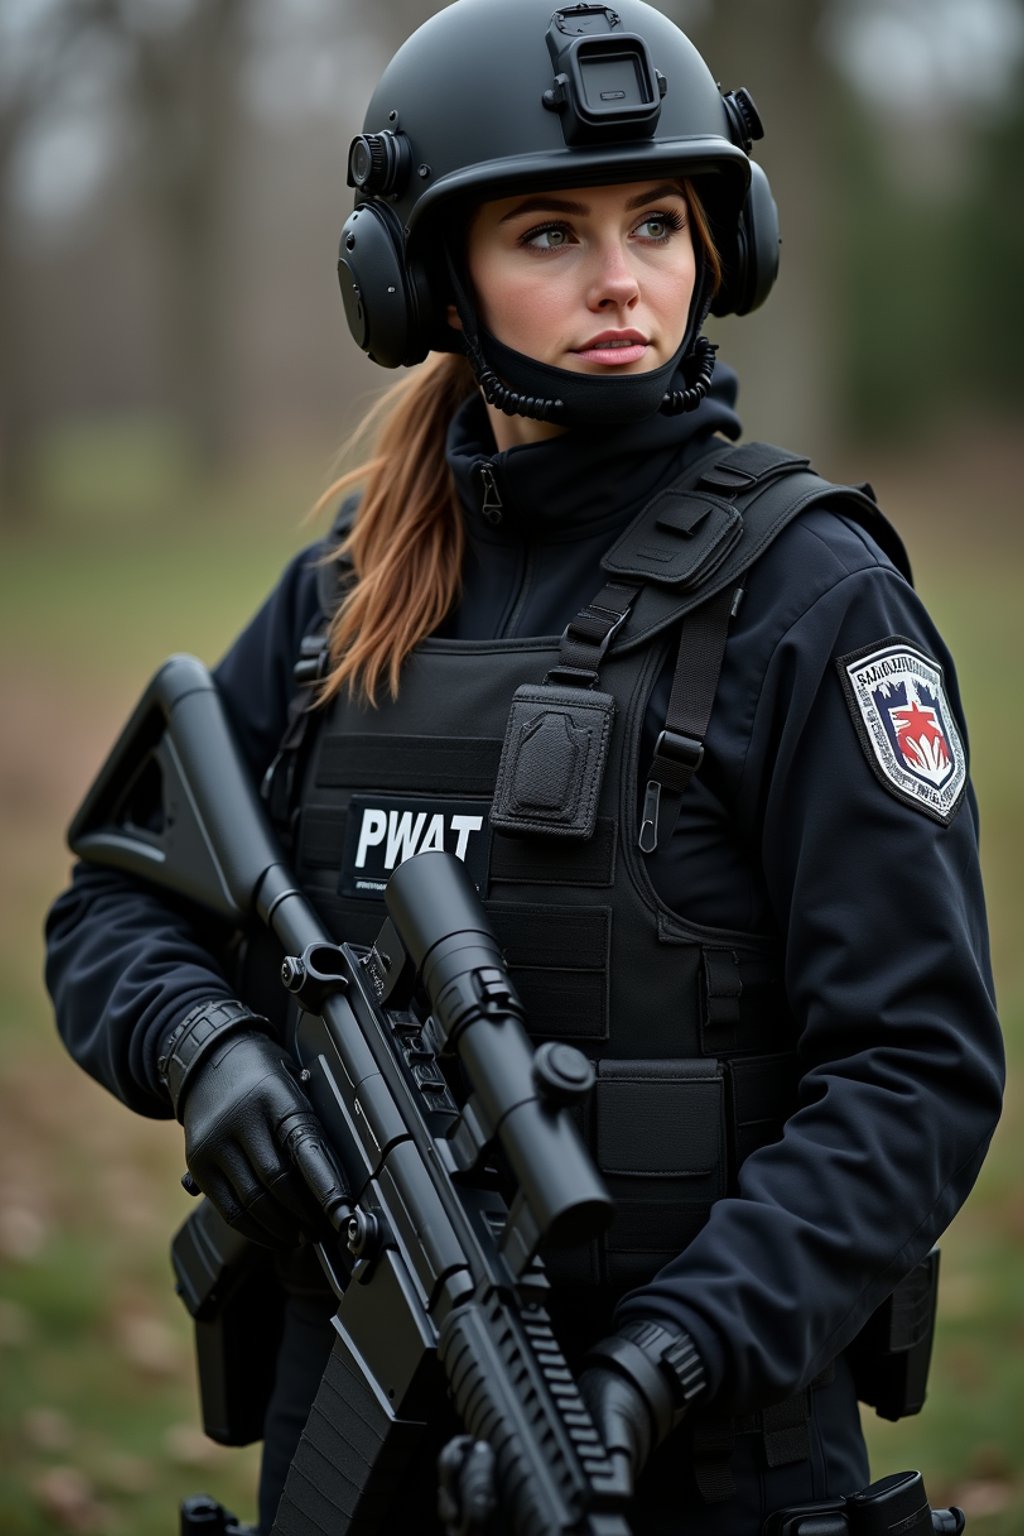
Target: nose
(613, 283)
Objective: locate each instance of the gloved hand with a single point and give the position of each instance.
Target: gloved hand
(247, 1126)
(638, 1384)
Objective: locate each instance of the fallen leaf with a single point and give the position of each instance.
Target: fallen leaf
(128, 1474)
(68, 1498)
(48, 1429)
(983, 1498)
(15, 1325)
(188, 1446)
(22, 1233)
(148, 1344)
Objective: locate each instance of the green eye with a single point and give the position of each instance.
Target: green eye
(552, 237)
(659, 226)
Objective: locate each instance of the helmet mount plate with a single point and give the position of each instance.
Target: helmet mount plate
(580, 19)
(606, 86)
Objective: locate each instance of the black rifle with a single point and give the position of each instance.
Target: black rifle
(458, 1160)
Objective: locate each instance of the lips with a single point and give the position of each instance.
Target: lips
(613, 349)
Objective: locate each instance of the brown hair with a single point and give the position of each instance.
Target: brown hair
(407, 540)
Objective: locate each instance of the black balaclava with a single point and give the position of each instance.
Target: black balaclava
(522, 386)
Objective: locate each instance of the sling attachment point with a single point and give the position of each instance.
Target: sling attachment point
(587, 637)
(676, 757)
(679, 750)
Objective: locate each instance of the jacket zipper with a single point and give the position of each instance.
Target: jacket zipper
(493, 507)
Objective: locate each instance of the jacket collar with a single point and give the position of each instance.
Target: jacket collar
(582, 480)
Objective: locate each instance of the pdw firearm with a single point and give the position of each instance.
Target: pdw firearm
(452, 1162)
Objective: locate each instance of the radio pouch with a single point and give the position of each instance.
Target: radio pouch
(230, 1287)
(553, 760)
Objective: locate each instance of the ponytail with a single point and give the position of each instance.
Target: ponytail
(407, 541)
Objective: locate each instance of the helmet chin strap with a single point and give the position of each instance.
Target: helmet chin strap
(520, 385)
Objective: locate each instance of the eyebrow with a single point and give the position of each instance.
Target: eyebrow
(566, 205)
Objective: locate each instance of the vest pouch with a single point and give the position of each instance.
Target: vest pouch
(558, 957)
(231, 1289)
(891, 1354)
(658, 1133)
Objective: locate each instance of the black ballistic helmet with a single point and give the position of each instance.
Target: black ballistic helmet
(491, 97)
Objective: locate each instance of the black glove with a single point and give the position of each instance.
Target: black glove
(252, 1142)
(638, 1384)
(466, 1491)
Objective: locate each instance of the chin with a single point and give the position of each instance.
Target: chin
(604, 371)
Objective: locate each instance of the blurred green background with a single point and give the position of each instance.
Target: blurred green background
(175, 377)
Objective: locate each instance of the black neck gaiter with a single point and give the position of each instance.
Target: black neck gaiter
(520, 385)
(590, 476)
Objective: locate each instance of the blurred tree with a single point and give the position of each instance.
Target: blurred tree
(185, 93)
(177, 101)
(930, 231)
(40, 51)
(786, 353)
(991, 269)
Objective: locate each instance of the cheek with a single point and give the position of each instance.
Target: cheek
(672, 291)
(519, 305)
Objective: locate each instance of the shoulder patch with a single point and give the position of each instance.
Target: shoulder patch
(897, 697)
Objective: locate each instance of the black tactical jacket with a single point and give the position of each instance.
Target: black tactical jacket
(797, 827)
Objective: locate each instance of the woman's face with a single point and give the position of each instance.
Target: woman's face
(597, 280)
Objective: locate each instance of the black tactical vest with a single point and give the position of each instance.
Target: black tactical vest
(687, 1026)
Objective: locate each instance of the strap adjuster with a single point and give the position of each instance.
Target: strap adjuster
(590, 630)
(677, 748)
(311, 666)
(575, 631)
(727, 478)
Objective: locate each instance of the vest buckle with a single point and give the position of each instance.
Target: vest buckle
(583, 644)
(686, 751)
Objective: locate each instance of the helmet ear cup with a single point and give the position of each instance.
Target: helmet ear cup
(383, 300)
(751, 267)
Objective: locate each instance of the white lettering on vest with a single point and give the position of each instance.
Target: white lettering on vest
(465, 826)
(403, 836)
(372, 831)
(400, 834)
(433, 841)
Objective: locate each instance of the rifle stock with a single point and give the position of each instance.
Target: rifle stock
(438, 1265)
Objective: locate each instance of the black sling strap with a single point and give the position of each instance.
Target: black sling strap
(743, 501)
(679, 750)
(589, 634)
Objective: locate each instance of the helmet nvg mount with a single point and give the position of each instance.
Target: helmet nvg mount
(492, 97)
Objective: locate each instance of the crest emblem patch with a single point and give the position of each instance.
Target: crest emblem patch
(897, 697)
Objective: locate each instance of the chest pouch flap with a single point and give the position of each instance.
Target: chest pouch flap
(553, 761)
(661, 1119)
(681, 539)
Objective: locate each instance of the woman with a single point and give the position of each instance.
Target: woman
(718, 804)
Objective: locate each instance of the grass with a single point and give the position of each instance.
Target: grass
(97, 1397)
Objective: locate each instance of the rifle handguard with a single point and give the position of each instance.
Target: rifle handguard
(191, 1040)
(662, 1363)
